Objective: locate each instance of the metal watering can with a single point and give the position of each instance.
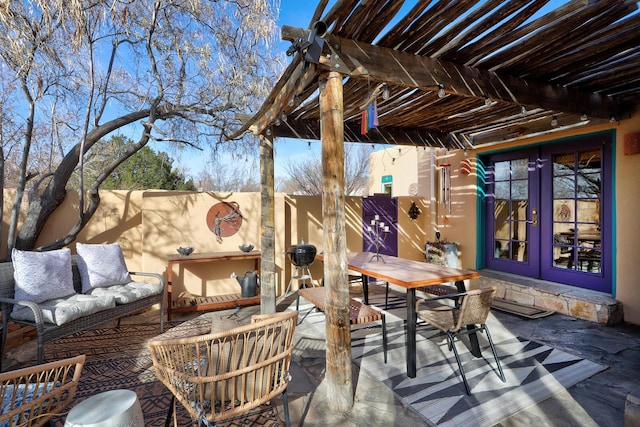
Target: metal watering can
(248, 283)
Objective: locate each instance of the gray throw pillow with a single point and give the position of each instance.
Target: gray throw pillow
(101, 265)
(41, 276)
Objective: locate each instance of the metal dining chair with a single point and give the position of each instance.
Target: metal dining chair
(468, 316)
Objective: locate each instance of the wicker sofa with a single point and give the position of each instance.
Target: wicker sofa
(49, 330)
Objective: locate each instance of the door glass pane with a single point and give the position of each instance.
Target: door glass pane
(501, 170)
(563, 210)
(589, 260)
(588, 211)
(589, 161)
(519, 252)
(564, 187)
(589, 185)
(519, 210)
(511, 209)
(502, 191)
(520, 169)
(501, 249)
(563, 164)
(577, 211)
(520, 190)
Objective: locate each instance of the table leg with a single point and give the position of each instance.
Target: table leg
(473, 337)
(412, 319)
(169, 289)
(365, 288)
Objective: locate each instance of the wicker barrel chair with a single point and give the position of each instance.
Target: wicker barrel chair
(227, 374)
(32, 396)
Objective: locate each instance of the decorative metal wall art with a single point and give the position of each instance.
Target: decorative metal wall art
(224, 219)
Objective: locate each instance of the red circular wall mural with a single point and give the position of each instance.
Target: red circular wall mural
(224, 219)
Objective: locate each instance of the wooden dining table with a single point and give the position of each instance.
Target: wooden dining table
(408, 274)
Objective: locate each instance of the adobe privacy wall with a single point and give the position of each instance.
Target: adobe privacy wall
(149, 225)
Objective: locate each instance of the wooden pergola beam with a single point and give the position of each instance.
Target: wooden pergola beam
(310, 129)
(380, 64)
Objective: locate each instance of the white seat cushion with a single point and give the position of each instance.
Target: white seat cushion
(62, 310)
(132, 291)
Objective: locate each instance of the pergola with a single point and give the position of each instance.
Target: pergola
(451, 74)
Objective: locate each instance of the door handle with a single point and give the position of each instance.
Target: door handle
(534, 217)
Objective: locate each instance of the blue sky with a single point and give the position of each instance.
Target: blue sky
(295, 13)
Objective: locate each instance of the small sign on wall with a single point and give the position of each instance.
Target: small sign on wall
(632, 143)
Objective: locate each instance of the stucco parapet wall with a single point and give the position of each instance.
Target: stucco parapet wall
(581, 303)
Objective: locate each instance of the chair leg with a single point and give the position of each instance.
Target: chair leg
(384, 337)
(167, 422)
(451, 337)
(285, 404)
(495, 354)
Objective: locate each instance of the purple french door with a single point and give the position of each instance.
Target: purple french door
(513, 210)
(549, 212)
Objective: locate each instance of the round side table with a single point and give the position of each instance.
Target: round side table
(107, 409)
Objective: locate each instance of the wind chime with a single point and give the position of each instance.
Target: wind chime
(370, 109)
(369, 117)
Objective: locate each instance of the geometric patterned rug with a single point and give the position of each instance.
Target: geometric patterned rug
(117, 358)
(533, 371)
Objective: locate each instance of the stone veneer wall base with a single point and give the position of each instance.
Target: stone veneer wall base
(564, 299)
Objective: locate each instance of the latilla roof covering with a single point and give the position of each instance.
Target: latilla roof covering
(460, 74)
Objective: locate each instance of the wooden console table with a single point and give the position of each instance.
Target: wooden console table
(216, 302)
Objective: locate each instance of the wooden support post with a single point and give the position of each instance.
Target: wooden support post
(339, 373)
(267, 227)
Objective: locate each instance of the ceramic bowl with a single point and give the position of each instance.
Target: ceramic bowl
(247, 247)
(185, 251)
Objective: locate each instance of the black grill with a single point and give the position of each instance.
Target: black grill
(302, 255)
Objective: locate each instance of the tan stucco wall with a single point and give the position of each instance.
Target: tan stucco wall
(459, 226)
(153, 224)
(627, 205)
(407, 165)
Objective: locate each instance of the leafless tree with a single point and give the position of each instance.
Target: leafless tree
(305, 177)
(233, 173)
(74, 72)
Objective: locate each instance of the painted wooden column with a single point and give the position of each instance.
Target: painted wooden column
(267, 227)
(339, 373)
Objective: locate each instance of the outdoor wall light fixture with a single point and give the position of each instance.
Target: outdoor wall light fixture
(584, 117)
(554, 121)
(612, 119)
(441, 92)
(414, 211)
